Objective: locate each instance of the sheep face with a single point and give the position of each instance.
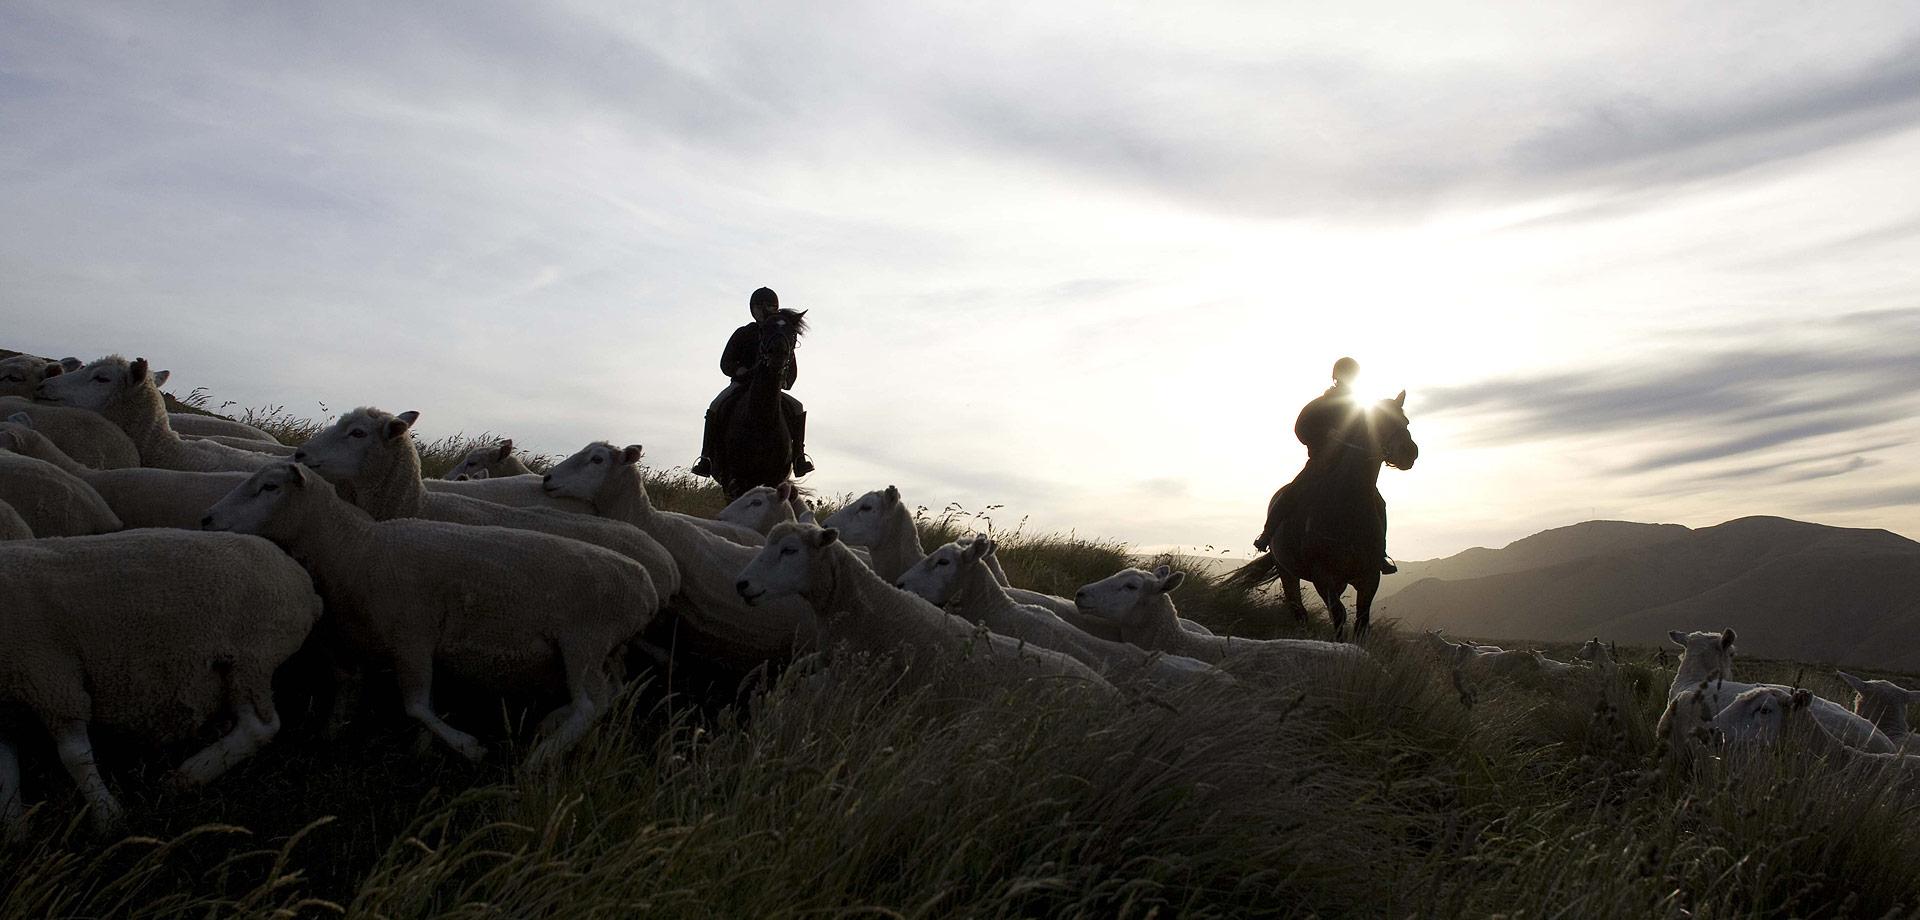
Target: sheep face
(21, 373)
(97, 385)
(1759, 716)
(785, 566)
(864, 522)
(340, 452)
(585, 474)
(477, 464)
(756, 509)
(267, 504)
(1125, 598)
(1594, 650)
(1688, 719)
(936, 577)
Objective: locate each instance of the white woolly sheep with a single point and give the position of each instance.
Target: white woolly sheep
(506, 609)
(760, 508)
(716, 623)
(494, 461)
(1598, 654)
(195, 425)
(52, 501)
(957, 578)
(270, 448)
(85, 436)
(129, 396)
(154, 632)
(140, 496)
(1779, 716)
(370, 458)
(12, 525)
(1884, 703)
(880, 522)
(859, 610)
(1141, 605)
(1708, 660)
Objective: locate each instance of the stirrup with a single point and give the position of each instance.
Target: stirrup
(1260, 543)
(1387, 567)
(702, 467)
(802, 466)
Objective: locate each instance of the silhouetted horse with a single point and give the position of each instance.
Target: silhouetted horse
(1335, 535)
(755, 447)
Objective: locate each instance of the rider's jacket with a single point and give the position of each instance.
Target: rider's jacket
(743, 348)
(1326, 414)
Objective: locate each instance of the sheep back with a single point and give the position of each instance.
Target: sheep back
(86, 436)
(53, 502)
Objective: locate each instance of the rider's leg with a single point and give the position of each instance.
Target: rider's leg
(1386, 562)
(1276, 512)
(710, 436)
(797, 427)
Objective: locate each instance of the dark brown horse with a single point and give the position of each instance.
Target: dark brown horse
(1335, 535)
(755, 446)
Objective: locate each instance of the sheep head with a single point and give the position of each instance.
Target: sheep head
(271, 503)
(864, 521)
(340, 453)
(1713, 652)
(20, 374)
(937, 577)
(99, 385)
(1881, 702)
(1133, 598)
(785, 566)
(758, 508)
(478, 463)
(585, 474)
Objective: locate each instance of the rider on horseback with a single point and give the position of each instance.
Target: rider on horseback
(1322, 421)
(743, 348)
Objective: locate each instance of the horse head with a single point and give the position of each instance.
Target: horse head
(781, 332)
(1387, 422)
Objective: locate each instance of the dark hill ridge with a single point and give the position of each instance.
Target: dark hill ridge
(1548, 547)
(1792, 589)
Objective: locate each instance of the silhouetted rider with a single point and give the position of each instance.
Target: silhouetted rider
(736, 361)
(1322, 420)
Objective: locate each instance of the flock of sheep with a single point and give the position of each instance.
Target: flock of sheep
(156, 569)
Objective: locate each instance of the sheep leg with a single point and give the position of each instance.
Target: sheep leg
(585, 681)
(416, 697)
(11, 809)
(76, 754)
(249, 735)
(347, 683)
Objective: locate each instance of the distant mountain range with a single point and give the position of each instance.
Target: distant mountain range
(1791, 589)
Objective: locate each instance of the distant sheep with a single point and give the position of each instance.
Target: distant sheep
(506, 609)
(1140, 603)
(1883, 703)
(195, 425)
(494, 461)
(129, 396)
(21, 373)
(1780, 716)
(715, 621)
(156, 633)
(52, 501)
(1708, 660)
(859, 610)
(140, 496)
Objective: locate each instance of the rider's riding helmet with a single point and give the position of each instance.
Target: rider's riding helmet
(763, 302)
(1344, 370)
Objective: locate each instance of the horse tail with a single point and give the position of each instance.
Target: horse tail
(1259, 573)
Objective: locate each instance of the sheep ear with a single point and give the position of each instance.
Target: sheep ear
(893, 493)
(1726, 640)
(70, 364)
(137, 371)
(21, 419)
(1163, 571)
(1858, 685)
(1801, 699)
(160, 378)
(1400, 402)
(1677, 637)
(298, 474)
(1171, 582)
(630, 455)
(53, 370)
(1913, 696)
(400, 423)
(977, 547)
(783, 491)
(506, 449)
(829, 535)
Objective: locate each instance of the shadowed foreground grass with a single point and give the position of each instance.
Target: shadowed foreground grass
(1363, 793)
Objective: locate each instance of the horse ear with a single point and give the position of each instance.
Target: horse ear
(160, 378)
(1400, 402)
(1171, 582)
(630, 454)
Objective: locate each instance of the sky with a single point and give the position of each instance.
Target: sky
(1078, 264)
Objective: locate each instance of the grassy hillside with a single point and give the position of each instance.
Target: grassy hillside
(829, 792)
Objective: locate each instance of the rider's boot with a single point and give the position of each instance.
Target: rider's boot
(801, 465)
(1387, 567)
(704, 465)
(1276, 512)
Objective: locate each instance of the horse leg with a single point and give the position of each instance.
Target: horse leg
(1364, 588)
(1336, 611)
(1290, 589)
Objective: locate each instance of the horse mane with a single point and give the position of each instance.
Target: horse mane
(796, 320)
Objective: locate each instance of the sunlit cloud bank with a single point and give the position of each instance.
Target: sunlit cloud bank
(1083, 262)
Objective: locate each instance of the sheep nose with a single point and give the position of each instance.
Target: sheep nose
(300, 456)
(740, 586)
(1080, 595)
(546, 479)
(206, 523)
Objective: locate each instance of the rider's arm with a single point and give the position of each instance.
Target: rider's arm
(738, 357)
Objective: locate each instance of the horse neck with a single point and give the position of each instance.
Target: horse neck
(1353, 469)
